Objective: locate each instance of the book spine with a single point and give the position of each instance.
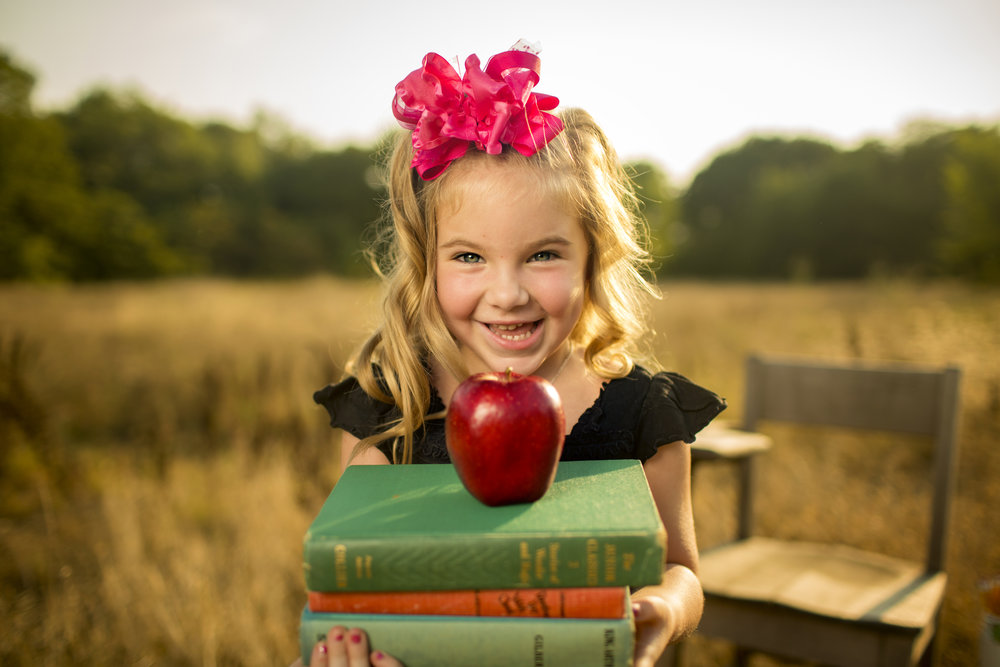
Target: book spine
(603, 602)
(485, 562)
(430, 641)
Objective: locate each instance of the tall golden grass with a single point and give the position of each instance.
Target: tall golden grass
(160, 455)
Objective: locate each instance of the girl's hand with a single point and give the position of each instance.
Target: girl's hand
(348, 648)
(652, 633)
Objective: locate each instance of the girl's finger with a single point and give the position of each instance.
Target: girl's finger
(380, 659)
(357, 648)
(318, 657)
(336, 647)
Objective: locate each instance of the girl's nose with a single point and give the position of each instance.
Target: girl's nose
(506, 290)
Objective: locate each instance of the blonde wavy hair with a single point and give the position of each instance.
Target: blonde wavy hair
(579, 165)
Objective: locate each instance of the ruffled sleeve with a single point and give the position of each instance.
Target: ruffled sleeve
(353, 410)
(673, 409)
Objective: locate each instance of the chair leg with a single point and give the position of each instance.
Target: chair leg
(927, 659)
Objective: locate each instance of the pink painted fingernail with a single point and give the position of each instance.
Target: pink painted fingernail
(338, 637)
(379, 655)
(356, 637)
(323, 648)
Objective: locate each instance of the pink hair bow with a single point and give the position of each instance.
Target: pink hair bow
(488, 107)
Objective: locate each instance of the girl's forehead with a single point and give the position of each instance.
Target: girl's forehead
(509, 179)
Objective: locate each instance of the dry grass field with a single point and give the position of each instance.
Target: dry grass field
(160, 455)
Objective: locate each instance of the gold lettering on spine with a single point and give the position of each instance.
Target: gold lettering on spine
(540, 564)
(554, 563)
(592, 564)
(628, 561)
(525, 574)
(610, 562)
(340, 565)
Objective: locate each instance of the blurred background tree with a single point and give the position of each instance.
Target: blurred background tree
(115, 188)
(970, 243)
(743, 213)
(52, 226)
(658, 205)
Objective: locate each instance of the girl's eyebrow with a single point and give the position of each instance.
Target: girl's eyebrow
(457, 242)
(553, 240)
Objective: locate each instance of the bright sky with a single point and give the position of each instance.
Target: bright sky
(673, 81)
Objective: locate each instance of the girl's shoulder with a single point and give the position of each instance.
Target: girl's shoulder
(637, 413)
(663, 390)
(676, 389)
(352, 409)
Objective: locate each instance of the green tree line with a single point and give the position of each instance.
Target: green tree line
(116, 188)
(800, 208)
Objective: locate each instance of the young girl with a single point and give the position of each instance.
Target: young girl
(515, 244)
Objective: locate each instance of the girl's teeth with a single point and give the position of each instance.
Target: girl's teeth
(503, 329)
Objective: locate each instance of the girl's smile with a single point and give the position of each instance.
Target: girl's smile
(515, 333)
(511, 269)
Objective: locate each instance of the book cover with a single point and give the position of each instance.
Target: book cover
(599, 602)
(484, 641)
(415, 527)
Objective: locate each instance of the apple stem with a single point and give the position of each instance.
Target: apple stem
(510, 371)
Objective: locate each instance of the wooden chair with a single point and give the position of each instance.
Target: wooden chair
(834, 604)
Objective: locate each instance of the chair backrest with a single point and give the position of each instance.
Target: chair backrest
(885, 397)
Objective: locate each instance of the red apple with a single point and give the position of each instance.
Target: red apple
(504, 433)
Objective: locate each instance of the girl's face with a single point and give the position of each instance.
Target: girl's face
(511, 270)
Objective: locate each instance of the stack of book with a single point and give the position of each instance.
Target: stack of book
(437, 578)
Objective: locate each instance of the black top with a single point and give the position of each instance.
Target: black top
(631, 417)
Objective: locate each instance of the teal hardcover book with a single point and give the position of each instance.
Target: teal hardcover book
(415, 527)
(432, 641)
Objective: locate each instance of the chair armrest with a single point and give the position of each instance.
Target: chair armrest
(720, 441)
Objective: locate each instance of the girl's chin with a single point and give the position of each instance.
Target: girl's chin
(521, 366)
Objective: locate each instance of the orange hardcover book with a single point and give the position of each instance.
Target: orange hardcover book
(588, 602)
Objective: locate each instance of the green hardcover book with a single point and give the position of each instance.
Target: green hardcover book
(432, 641)
(415, 527)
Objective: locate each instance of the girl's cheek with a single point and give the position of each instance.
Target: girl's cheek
(456, 294)
(562, 296)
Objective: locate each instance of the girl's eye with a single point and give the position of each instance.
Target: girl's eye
(468, 258)
(543, 256)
